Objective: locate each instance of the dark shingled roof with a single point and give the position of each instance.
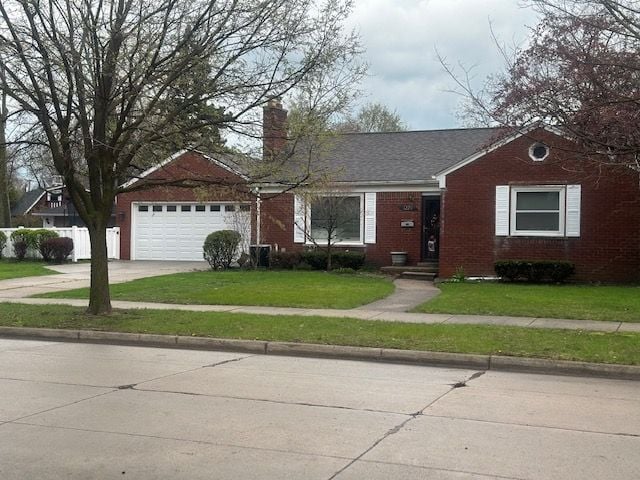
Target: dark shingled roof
(402, 156)
(28, 199)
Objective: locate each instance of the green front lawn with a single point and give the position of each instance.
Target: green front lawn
(14, 269)
(600, 347)
(609, 303)
(266, 288)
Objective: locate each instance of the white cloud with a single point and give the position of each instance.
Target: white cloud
(401, 37)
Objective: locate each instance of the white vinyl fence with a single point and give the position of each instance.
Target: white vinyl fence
(81, 243)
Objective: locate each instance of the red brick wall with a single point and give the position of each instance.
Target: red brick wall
(277, 226)
(227, 187)
(608, 247)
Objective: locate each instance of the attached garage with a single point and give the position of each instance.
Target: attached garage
(177, 231)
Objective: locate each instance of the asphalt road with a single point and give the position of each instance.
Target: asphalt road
(81, 411)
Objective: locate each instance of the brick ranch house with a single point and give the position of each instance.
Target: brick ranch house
(478, 195)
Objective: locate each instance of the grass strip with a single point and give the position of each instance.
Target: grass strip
(248, 287)
(600, 347)
(580, 302)
(14, 269)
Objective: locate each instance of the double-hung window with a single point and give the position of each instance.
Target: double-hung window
(538, 210)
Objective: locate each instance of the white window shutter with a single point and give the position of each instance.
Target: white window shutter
(370, 217)
(299, 219)
(574, 196)
(502, 210)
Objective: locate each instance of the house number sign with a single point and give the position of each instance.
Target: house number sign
(407, 207)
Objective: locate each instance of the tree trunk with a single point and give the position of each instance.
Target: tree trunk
(5, 209)
(99, 298)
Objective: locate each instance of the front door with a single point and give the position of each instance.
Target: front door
(430, 228)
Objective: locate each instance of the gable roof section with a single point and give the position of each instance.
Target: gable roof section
(401, 156)
(27, 202)
(442, 175)
(222, 160)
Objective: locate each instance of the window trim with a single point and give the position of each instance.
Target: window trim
(560, 189)
(309, 239)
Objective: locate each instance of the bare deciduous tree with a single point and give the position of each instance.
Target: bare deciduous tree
(95, 80)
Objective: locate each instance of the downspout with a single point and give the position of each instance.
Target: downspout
(258, 219)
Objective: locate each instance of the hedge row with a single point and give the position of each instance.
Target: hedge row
(316, 260)
(534, 270)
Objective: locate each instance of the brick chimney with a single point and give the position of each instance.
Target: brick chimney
(274, 129)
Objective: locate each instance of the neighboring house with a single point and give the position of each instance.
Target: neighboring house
(478, 195)
(47, 207)
(22, 209)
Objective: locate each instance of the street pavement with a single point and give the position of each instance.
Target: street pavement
(78, 411)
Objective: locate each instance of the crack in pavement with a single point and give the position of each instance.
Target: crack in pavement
(177, 439)
(400, 426)
(133, 386)
(277, 402)
(16, 420)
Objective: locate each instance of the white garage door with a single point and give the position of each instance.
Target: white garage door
(176, 231)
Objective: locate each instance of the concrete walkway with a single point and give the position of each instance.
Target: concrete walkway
(408, 295)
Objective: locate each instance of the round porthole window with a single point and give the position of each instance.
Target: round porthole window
(538, 152)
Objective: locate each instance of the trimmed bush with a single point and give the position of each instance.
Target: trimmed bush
(41, 238)
(353, 260)
(56, 249)
(24, 235)
(534, 270)
(20, 249)
(3, 242)
(318, 259)
(284, 260)
(220, 247)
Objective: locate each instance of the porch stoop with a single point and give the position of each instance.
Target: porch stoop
(423, 271)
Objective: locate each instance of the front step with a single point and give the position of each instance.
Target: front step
(429, 263)
(426, 276)
(428, 273)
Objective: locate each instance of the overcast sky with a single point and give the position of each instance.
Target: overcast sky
(401, 36)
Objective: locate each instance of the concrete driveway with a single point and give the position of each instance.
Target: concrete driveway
(78, 411)
(78, 275)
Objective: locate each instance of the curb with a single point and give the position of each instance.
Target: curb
(415, 357)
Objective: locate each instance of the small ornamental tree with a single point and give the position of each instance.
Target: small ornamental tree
(220, 248)
(335, 217)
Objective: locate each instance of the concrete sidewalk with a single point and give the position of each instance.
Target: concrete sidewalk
(359, 313)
